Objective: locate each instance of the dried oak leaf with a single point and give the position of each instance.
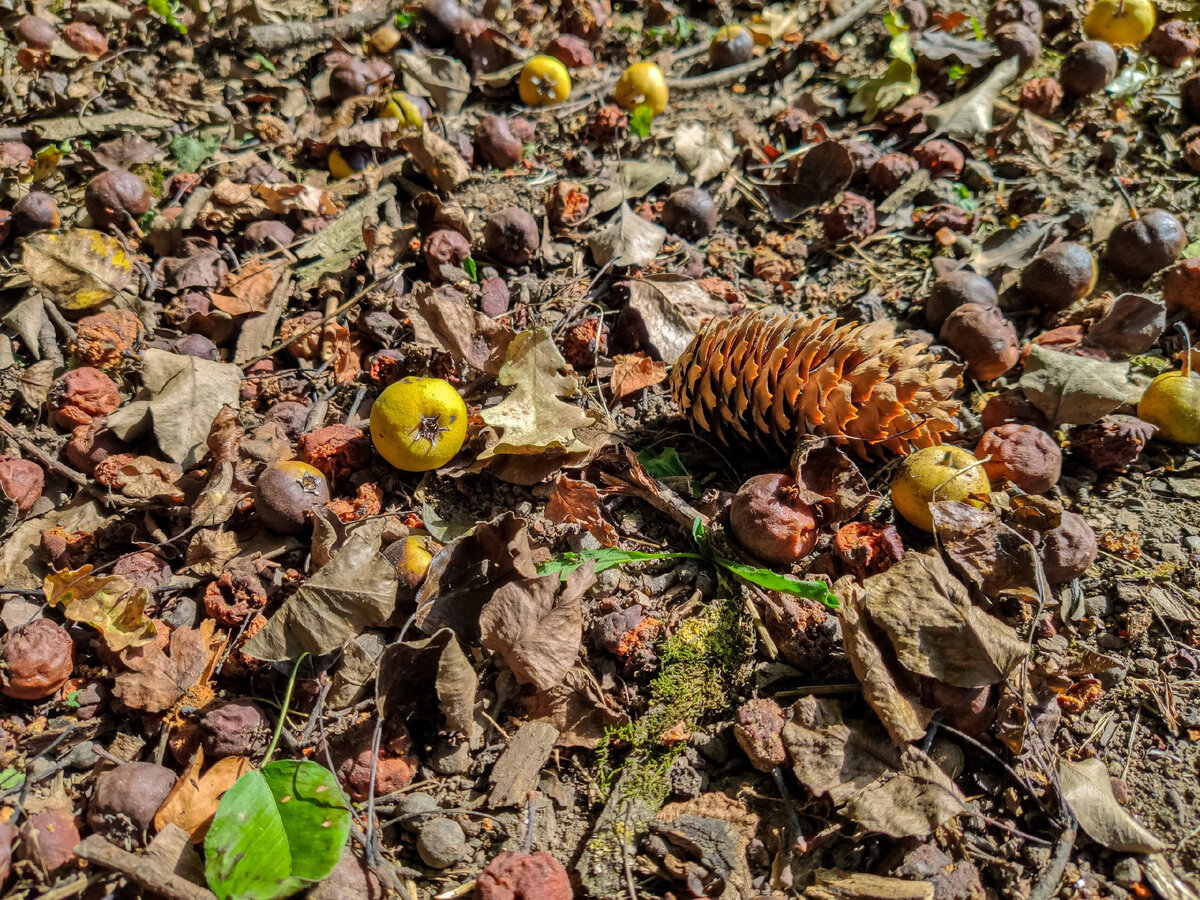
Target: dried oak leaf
(935, 630)
(465, 573)
(578, 503)
(354, 591)
(443, 320)
(193, 801)
(985, 550)
(180, 397)
(634, 372)
(408, 669)
(248, 290)
(898, 706)
(1088, 793)
(208, 551)
(109, 603)
(898, 792)
(532, 418)
(537, 630)
(157, 680)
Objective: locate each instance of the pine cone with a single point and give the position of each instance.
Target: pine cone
(766, 380)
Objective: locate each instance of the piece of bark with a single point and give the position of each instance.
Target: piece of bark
(516, 771)
(149, 870)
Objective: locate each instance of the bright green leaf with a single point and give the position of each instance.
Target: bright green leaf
(264, 62)
(10, 778)
(277, 831)
(665, 464)
(404, 19)
(639, 122)
(773, 581)
(604, 558)
(191, 153)
(1192, 249)
(470, 269)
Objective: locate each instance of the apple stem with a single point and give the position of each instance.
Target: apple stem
(1133, 213)
(1187, 349)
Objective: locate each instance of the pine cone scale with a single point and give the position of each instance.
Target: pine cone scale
(768, 380)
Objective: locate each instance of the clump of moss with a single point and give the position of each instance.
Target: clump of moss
(701, 665)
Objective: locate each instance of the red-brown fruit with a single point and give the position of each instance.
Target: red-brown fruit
(442, 19)
(573, 52)
(1011, 406)
(588, 19)
(1087, 68)
(35, 660)
(969, 710)
(48, 839)
(1019, 41)
(445, 246)
(1059, 276)
(941, 158)
(1069, 549)
(1189, 97)
(106, 339)
(36, 32)
(983, 338)
(496, 144)
(235, 728)
(1173, 42)
(286, 494)
(853, 219)
(84, 38)
(890, 171)
(352, 79)
(1007, 12)
(126, 798)
(770, 520)
(91, 444)
(524, 876)
(952, 290)
(80, 396)
(114, 197)
(1181, 287)
(566, 204)
(1022, 454)
(1041, 96)
(868, 549)
(511, 236)
(36, 211)
(21, 481)
(1142, 246)
(690, 213)
(1112, 444)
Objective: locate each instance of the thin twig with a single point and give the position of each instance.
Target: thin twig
(1048, 882)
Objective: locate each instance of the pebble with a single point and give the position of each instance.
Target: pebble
(441, 843)
(1098, 606)
(1127, 872)
(450, 758)
(412, 804)
(1192, 544)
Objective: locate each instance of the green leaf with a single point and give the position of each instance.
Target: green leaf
(277, 831)
(469, 268)
(10, 778)
(604, 558)
(980, 35)
(191, 153)
(404, 19)
(664, 464)
(264, 62)
(773, 581)
(639, 122)
(1192, 249)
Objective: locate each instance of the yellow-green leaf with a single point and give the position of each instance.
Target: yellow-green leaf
(532, 419)
(77, 269)
(108, 603)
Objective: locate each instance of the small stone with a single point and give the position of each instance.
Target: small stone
(412, 805)
(449, 758)
(441, 843)
(1098, 607)
(1127, 872)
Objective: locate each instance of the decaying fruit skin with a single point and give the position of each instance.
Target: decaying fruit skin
(1087, 68)
(766, 380)
(955, 289)
(1142, 246)
(37, 660)
(1068, 550)
(770, 520)
(286, 493)
(1022, 454)
(126, 798)
(511, 236)
(690, 213)
(114, 197)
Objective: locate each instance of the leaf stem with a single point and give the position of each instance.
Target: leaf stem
(283, 710)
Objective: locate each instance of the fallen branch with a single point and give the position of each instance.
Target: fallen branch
(280, 35)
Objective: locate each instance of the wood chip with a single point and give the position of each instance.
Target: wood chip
(516, 771)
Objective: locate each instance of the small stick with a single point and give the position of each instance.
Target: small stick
(44, 458)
